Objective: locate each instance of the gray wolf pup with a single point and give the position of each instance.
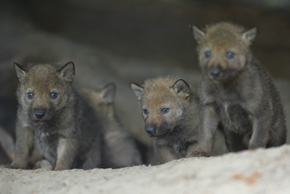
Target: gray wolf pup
(237, 93)
(170, 111)
(54, 119)
(119, 149)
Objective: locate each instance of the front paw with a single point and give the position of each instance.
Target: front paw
(256, 144)
(61, 165)
(18, 165)
(43, 164)
(5, 166)
(198, 153)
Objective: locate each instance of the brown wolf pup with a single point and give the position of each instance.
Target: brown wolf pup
(170, 111)
(119, 149)
(236, 92)
(53, 118)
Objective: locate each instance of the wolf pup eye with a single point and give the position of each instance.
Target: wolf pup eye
(230, 55)
(53, 95)
(207, 54)
(164, 110)
(30, 95)
(145, 111)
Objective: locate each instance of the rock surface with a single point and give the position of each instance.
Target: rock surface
(256, 172)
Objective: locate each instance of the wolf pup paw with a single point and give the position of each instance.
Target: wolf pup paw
(198, 153)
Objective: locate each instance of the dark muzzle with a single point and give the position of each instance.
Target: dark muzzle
(39, 113)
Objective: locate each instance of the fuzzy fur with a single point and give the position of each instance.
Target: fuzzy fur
(67, 133)
(119, 149)
(237, 93)
(175, 131)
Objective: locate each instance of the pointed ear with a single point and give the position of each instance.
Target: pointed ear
(20, 72)
(68, 71)
(138, 90)
(249, 35)
(181, 87)
(108, 93)
(198, 34)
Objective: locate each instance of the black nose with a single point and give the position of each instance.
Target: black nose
(150, 130)
(39, 113)
(214, 71)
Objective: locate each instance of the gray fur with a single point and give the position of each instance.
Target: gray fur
(119, 149)
(243, 100)
(68, 132)
(176, 132)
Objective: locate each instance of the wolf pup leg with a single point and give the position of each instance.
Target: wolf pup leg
(24, 144)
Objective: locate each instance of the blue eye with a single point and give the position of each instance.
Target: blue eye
(164, 110)
(230, 55)
(30, 95)
(145, 111)
(53, 95)
(207, 54)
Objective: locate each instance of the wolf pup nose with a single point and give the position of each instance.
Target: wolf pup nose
(150, 130)
(39, 113)
(214, 72)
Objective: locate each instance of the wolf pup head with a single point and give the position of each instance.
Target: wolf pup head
(223, 49)
(44, 90)
(103, 99)
(163, 104)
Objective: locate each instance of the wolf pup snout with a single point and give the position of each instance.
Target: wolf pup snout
(39, 113)
(150, 129)
(215, 72)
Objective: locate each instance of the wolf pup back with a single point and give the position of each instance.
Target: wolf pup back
(237, 93)
(53, 118)
(119, 149)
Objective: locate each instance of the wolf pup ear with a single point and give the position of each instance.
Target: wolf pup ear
(138, 90)
(249, 35)
(181, 87)
(20, 72)
(198, 34)
(108, 93)
(68, 71)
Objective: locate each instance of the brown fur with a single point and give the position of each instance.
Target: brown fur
(118, 147)
(175, 129)
(7, 143)
(237, 93)
(54, 119)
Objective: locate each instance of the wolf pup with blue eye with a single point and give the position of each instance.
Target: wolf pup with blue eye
(237, 93)
(54, 120)
(170, 111)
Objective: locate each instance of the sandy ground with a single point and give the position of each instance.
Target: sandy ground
(256, 172)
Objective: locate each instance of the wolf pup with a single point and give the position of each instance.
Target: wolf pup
(236, 92)
(53, 118)
(119, 149)
(170, 111)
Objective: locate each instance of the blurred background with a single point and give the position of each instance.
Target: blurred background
(129, 41)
